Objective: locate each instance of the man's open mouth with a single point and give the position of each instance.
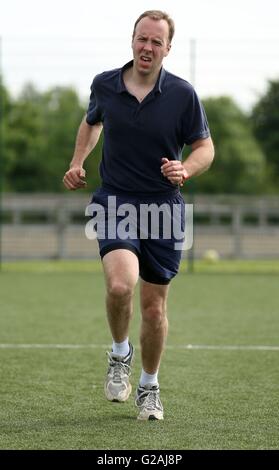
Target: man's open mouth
(145, 58)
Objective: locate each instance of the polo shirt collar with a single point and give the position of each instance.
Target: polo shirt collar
(121, 85)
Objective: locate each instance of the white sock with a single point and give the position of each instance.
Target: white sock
(121, 349)
(146, 378)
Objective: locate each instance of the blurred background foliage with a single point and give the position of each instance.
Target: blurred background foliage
(39, 131)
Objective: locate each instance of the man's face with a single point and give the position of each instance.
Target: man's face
(150, 45)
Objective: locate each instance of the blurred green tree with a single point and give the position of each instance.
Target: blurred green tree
(265, 122)
(239, 164)
(23, 142)
(62, 113)
(40, 131)
(6, 156)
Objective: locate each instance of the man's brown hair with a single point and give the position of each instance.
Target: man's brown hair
(157, 15)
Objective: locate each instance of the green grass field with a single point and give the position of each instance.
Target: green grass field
(214, 398)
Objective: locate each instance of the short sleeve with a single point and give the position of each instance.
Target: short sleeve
(194, 121)
(94, 113)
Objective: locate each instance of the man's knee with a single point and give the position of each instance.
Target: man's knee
(119, 290)
(154, 314)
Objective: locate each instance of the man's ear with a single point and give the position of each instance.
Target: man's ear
(168, 49)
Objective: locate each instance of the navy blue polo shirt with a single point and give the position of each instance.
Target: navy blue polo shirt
(138, 135)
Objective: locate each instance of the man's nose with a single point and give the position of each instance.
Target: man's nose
(148, 45)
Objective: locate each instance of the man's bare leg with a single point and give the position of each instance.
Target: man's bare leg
(121, 273)
(154, 329)
(121, 270)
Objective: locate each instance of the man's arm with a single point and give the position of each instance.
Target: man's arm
(200, 158)
(87, 138)
(198, 162)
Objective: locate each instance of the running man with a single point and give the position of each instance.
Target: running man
(147, 115)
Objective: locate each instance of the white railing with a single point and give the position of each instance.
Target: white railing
(52, 226)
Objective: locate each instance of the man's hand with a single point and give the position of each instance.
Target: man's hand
(174, 171)
(74, 178)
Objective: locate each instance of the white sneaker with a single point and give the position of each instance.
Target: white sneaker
(117, 384)
(149, 403)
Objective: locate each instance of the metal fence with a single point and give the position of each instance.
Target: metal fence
(51, 226)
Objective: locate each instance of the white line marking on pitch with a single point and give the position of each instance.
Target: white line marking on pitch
(173, 347)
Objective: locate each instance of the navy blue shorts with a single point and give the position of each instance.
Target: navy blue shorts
(150, 226)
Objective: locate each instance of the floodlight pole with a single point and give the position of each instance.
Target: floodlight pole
(191, 183)
(193, 53)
